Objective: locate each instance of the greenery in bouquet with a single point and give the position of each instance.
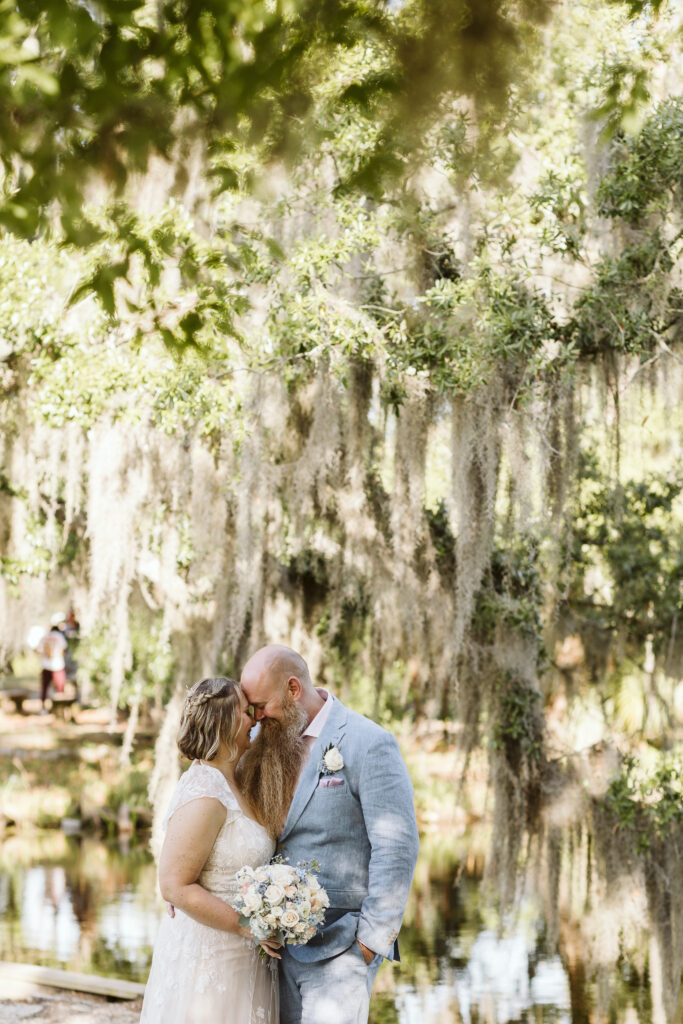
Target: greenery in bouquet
(280, 900)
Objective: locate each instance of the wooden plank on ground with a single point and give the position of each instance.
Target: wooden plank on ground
(92, 983)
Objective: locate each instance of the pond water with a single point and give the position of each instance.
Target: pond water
(86, 905)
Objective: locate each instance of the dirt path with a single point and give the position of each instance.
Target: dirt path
(20, 1002)
(33, 731)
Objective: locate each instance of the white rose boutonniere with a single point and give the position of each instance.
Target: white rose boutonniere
(332, 761)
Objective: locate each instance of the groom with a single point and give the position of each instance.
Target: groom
(336, 786)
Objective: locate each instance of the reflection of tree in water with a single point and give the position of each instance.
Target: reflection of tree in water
(613, 909)
(438, 910)
(84, 902)
(581, 933)
(55, 885)
(88, 875)
(9, 914)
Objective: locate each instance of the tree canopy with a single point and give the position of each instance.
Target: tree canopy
(98, 89)
(89, 93)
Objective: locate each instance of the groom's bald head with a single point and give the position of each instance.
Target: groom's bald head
(277, 663)
(273, 678)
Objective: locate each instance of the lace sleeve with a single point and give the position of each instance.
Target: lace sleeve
(201, 780)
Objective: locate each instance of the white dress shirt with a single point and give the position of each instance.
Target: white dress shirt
(315, 726)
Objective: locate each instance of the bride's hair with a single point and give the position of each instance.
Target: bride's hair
(212, 713)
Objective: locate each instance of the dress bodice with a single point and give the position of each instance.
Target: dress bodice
(241, 840)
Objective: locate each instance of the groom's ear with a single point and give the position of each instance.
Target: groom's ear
(294, 688)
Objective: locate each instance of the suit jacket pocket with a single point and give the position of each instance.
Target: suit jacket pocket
(337, 789)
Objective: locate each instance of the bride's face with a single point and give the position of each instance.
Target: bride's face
(246, 725)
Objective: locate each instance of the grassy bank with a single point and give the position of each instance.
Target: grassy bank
(55, 773)
(69, 774)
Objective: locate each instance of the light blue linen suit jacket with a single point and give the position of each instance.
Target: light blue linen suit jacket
(362, 833)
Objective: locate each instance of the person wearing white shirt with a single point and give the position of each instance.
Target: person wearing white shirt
(52, 650)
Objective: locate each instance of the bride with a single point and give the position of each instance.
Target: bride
(206, 969)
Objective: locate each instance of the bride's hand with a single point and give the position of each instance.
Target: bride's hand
(271, 946)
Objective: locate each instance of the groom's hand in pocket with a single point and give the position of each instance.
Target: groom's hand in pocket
(368, 954)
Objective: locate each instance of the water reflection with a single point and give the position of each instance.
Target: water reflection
(89, 906)
(79, 904)
(499, 979)
(462, 963)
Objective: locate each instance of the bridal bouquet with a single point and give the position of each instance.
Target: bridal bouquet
(282, 901)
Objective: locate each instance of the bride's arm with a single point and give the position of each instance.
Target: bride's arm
(190, 836)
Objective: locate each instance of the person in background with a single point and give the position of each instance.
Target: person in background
(71, 624)
(70, 629)
(52, 650)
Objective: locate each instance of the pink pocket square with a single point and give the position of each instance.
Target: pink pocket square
(331, 781)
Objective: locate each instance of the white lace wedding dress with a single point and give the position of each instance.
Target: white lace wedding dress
(201, 975)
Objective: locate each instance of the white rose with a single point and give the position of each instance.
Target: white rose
(312, 882)
(300, 928)
(289, 919)
(252, 901)
(259, 929)
(290, 890)
(318, 902)
(274, 894)
(304, 908)
(261, 874)
(333, 760)
(282, 874)
(302, 937)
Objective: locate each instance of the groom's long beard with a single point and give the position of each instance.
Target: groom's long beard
(269, 770)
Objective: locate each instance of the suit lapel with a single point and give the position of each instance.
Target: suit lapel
(332, 733)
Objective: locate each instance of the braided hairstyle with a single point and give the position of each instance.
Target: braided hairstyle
(212, 713)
